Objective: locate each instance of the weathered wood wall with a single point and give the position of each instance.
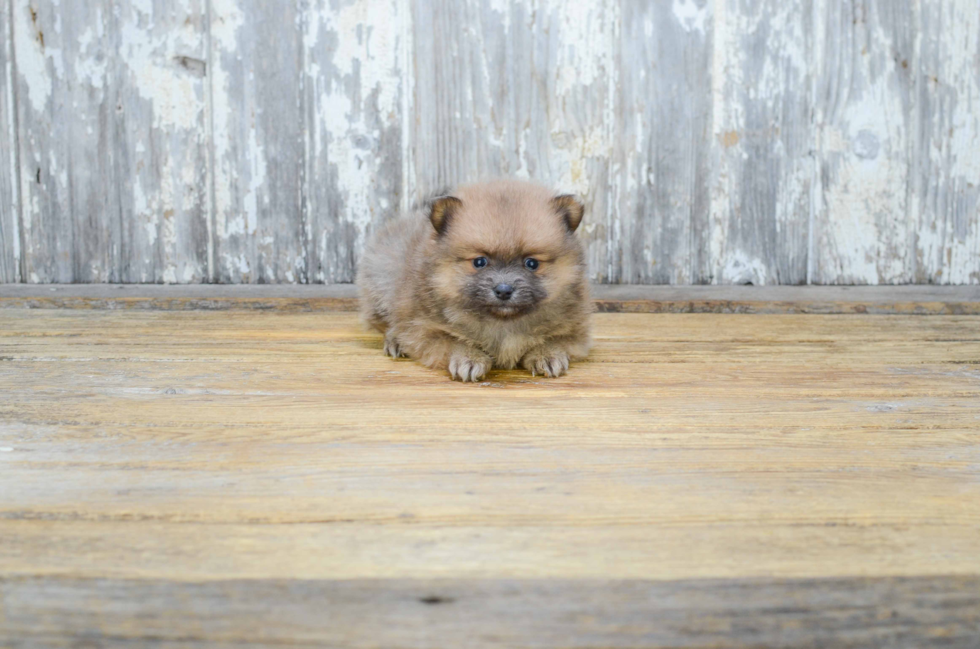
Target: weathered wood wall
(715, 141)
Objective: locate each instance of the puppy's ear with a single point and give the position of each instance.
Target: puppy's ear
(443, 209)
(569, 209)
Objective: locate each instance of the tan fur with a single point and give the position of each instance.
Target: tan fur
(417, 281)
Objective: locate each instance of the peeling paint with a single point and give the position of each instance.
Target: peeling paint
(722, 141)
(743, 269)
(762, 174)
(581, 113)
(225, 25)
(946, 199)
(862, 225)
(357, 123)
(582, 58)
(175, 100)
(692, 14)
(35, 64)
(10, 252)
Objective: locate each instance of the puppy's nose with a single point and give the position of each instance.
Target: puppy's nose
(503, 291)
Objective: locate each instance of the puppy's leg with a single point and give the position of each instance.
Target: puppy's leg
(392, 348)
(551, 359)
(546, 360)
(438, 350)
(468, 363)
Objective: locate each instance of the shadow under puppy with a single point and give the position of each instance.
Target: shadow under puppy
(491, 276)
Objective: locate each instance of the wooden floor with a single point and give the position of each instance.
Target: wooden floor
(262, 478)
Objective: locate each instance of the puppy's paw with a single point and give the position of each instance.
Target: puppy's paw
(392, 348)
(469, 365)
(546, 361)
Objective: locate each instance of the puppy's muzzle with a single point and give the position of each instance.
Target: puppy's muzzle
(503, 291)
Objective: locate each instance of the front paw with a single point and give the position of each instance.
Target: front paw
(392, 348)
(469, 365)
(546, 362)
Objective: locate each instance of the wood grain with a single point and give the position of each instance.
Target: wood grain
(865, 125)
(774, 480)
(827, 300)
(763, 171)
(356, 81)
(920, 612)
(357, 77)
(257, 130)
(946, 189)
(9, 207)
(158, 145)
(723, 142)
(111, 103)
(662, 147)
(65, 108)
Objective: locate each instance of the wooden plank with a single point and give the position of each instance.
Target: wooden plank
(520, 90)
(392, 100)
(257, 129)
(662, 146)
(864, 120)
(659, 460)
(260, 297)
(9, 205)
(181, 549)
(760, 202)
(912, 299)
(356, 86)
(945, 161)
(159, 144)
(64, 137)
(920, 612)
(710, 481)
(113, 154)
(904, 300)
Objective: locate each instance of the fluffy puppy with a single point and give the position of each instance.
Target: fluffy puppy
(490, 276)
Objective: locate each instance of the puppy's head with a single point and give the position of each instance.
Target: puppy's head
(505, 248)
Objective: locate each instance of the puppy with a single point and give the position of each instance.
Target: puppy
(490, 276)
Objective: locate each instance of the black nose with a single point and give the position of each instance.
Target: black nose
(503, 291)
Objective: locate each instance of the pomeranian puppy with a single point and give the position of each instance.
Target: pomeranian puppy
(489, 276)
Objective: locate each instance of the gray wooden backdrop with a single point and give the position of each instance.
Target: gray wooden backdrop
(714, 141)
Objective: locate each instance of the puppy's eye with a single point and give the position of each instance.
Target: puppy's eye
(531, 264)
(480, 262)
